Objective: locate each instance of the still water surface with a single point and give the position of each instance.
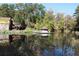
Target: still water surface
(56, 44)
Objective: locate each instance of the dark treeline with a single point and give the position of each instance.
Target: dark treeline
(76, 14)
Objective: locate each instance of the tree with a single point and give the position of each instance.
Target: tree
(29, 13)
(77, 18)
(7, 10)
(77, 14)
(34, 12)
(69, 22)
(47, 22)
(23, 12)
(59, 25)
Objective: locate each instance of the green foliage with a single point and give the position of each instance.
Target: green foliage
(7, 10)
(57, 22)
(70, 22)
(30, 12)
(46, 22)
(77, 13)
(22, 11)
(19, 17)
(34, 15)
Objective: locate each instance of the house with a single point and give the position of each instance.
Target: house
(44, 30)
(8, 24)
(4, 23)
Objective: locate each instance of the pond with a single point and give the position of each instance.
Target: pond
(54, 44)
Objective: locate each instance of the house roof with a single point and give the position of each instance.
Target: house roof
(4, 20)
(44, 28)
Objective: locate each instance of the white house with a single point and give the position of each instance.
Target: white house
(4, 23)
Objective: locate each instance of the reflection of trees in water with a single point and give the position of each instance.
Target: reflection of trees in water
(62, 44)
(8, 50)
(21, 43)
(68, 44)
(55, 44)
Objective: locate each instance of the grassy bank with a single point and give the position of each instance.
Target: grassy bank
(19, 32)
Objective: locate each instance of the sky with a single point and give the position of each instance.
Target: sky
(66, 8)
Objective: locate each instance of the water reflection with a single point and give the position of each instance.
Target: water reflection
(57, 44)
